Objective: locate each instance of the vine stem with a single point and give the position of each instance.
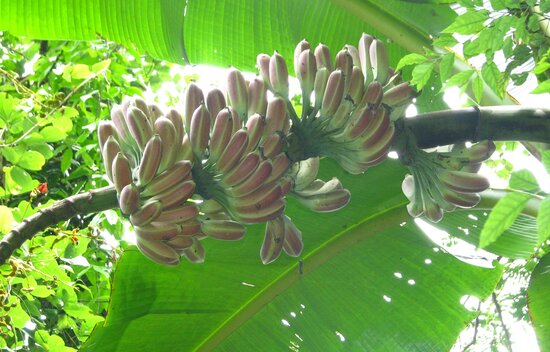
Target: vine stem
(429, 130)
(507, 339)
(84, 203)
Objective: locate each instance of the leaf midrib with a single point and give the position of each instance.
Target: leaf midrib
(376, 223)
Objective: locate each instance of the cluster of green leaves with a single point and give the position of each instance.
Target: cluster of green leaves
(52, 95)
(514, 32)
(525, 187)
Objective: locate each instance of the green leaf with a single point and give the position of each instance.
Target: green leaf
(6, 219)
(493, 77)
(12, 154)
(543, 87)
(445, 40)
(18, 316)
(539, 301)
(502, 217)
(421, 74)
(477, 87)
(359, 274)
(18, 180)
(66, 159)
(446, 66)
(471, 22)
(498, 5)
(517, 242)
(459, 79)
(53, 134)
(32, 160)
(100, 66)
(489, 41)
(42, 291)
(543, 220)
(523, 180)
(410, 59)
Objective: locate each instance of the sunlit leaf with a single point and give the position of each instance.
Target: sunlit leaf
(523, 180)
(31, 160)
(539, 301)
(470, 22)
(6, 219)
(502, 217)
(543, 220)
(421, 74)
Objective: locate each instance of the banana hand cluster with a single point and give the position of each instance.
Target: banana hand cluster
(141, 151)
(348, 102)
(443, 181)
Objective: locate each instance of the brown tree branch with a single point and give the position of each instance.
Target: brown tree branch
(85, 203)
(507, 340)
(496, 123)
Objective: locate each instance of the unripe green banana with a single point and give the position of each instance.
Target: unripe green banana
(374, 95)
(302, 46)
(379, 61)
(273, 240)
(399, 95)
(155, 113)
(344, 62)
(334, 93)
(255, 126)
(233, 152)
(176, 195)
(357, 85)
(278, 75)
(273, 145)
(176, 173)
(185, 151)
(326, 202)
(215, 102)
(195, 252)
(177, 121)
(221, 134)
(280, 167)
(199, 133)
(193, 97)
(147, 213)
(466, 182)
(178, 215)
(237, 93)
(128, 199)
(243, 170)
(262, 62)
(323, 57)
(105, 129)
(364, 57)
(254, 181)
(306, 72)
(354, 53)
(276, 116)
(180, 242)
(110, 150)
(150, 160)
(139, 126)
(293, 244)
(320, 85)
(227, 230)
(305, 172)
(257, 97)
(158, 252)
(121, 171)
(170, 146)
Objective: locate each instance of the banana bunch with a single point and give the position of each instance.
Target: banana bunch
(348, 103)
(443, 181)
(141, 149)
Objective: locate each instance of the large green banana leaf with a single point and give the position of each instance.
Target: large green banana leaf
(538, 300)
(226, 32)
(369, 279)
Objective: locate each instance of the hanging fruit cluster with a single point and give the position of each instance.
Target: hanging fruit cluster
(231, 159)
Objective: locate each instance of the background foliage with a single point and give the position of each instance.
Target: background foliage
(54, 92)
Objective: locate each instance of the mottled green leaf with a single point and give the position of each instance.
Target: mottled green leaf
(459, 79)
(31, 160)
(538, 301)
(66, 159)
(410, 59)
(543, 87)
(421, 74)
(502, 217)
(471, 22)
(493, 77)
(477, 87)
(446, 66)
(53, 134)
(42, 291)
(523, 180)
